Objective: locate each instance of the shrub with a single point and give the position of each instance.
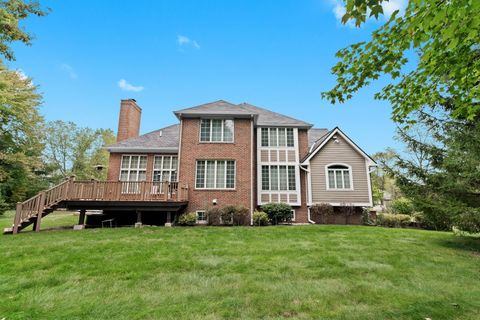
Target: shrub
(402, 206)
(346, 210)
(260, 218)
(188, 219)
(214, 217)
(393, 220)
(366, 219)
(235, 215)
(320, 212)
(3, 205)
(278, 212)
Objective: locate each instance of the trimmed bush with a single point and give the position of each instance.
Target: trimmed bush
(235, 215)
(320, 212)
(366, 219)
(260, 218)
(278, 212)
(402, 206)
(188, 219)
(214, 217)
(393, 220)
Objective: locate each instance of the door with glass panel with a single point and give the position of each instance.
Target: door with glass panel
(165, 175)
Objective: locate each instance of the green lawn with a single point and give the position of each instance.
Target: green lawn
(329, 272)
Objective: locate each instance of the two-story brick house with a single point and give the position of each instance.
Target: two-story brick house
(240, 154)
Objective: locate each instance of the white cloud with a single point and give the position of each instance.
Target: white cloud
(186, 41)
(388, 8)
(21, 74)
(125, 86)
(68, 69)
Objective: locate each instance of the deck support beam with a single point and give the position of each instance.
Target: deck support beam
(81, 218)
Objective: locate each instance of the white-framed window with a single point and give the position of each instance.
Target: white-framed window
(201, 216)
(216, 130)
(215, 174)
(133, 168)
(277, 137)
(339, 176)
(278, 178)
(165, 168)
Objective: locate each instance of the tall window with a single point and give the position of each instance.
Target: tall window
(339, 177)
(278, 178)
(215, 174)
(277, 137)
(165, 168)
(216, 130)
(133, 168)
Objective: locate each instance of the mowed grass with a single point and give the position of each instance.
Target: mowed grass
(302, 272)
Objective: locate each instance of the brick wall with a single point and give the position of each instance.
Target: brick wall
(240, 151)
(129, 120)
(301, 213)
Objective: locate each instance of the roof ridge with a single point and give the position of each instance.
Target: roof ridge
(279, 114)
(204, 104)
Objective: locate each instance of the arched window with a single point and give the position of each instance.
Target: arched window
(339, 176)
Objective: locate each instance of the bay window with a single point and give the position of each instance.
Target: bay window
(277, 137)
(278, 178)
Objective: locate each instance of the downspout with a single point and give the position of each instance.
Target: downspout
(251, 172)
(306, 197)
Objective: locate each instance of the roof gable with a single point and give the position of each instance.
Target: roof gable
(323, 141)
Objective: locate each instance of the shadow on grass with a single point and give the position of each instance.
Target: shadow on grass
(471, 244)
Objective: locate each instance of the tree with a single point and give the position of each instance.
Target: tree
(20, 135)
(11, 13)
(445, 37)
(78, 151)
(382, 181)
(445, 184)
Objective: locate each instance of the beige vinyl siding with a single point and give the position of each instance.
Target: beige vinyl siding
(342, 152)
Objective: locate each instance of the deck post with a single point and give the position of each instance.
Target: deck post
(169, 217)
(81, 218)
(16, 222)
(41, 206)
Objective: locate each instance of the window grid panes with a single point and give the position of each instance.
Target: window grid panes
(216, 130)
(201, 216)
(133, 168)
(338, 177)
(165, 168)
(278, 178)
(215, 174)
(277, 137)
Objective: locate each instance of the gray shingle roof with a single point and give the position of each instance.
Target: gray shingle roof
(153, 141)
(263, 117)
(315, 134)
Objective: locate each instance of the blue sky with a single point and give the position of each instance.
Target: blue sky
(169, 55)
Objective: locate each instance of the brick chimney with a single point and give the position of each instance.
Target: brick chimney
(129, 120)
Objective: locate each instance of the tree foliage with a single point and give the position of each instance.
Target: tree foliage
(445, 185)
(445, 37)
(20, 135)
(70, 150)
(11, 13)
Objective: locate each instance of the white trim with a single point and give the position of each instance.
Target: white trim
(251, 173)
(134, 169)
(309, 217)
(294, 215)
(201, 221)
(349, 141)
(180, 149)
(350, 174)
(341, 204)
(161, 170)
(369, 183)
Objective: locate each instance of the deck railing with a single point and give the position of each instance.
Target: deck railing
(72, 190)
(128, 191)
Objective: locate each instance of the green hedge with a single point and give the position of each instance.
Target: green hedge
(393, 220)
(278, 212)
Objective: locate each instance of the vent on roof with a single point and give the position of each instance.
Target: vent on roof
(160, 133)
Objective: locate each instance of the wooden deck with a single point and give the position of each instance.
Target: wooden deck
(112, 195)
